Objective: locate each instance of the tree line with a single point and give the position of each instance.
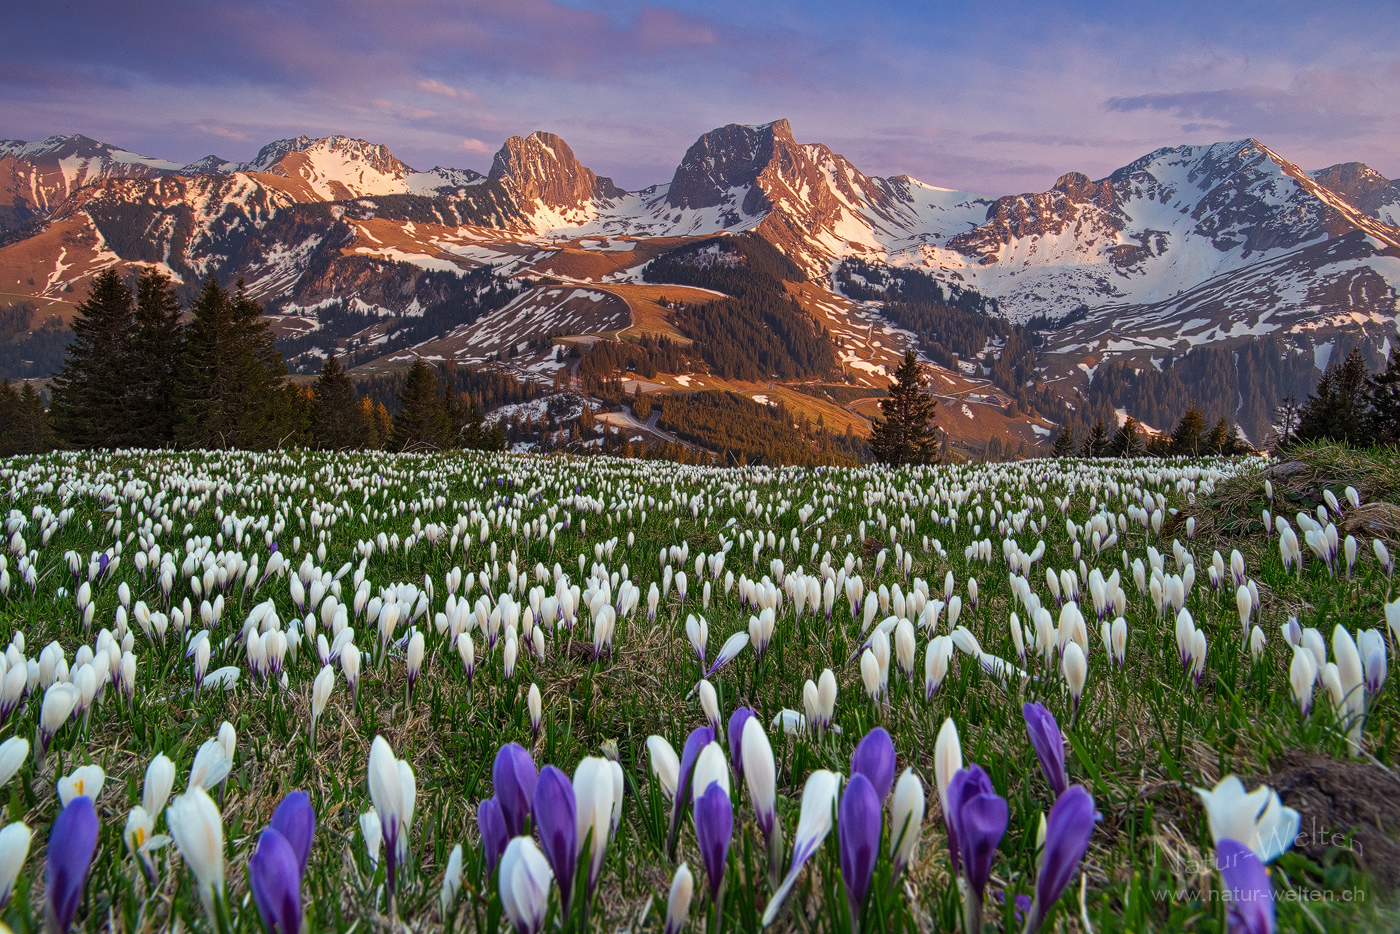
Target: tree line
(141, 371)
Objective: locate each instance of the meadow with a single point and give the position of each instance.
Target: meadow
(482, 692)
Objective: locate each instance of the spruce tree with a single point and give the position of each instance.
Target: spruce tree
(155, 352)
(1127, 441)
(1064, 442)
(91, 402)
(1186, 438)
(906, 433)
(231, 391)
(338, 421)
(25, 426)
(1338, 409)
(422, 422)
(1383, 390)
(1097, 442)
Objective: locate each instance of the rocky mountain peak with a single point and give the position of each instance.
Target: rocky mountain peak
(542, 168)
(725, 159)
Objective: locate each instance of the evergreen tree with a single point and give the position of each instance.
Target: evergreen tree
(422, 422)
(1383, 390)
(1097, 442)
(1127, 441)
(1064, 442)
(1337, 409)
(154, 359)
(25, 426)
(1186, 439)
(91, 403)
(338, 421)
(906, 433)
(231, 390)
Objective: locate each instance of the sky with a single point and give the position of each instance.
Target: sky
(995, 98)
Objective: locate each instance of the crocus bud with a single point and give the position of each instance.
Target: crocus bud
(536, 707)
(859, 835)
(198, 830)
(72, 842)
(524, 885)
(556, 818)
(14, 849)
(907, 820)
(678, 903)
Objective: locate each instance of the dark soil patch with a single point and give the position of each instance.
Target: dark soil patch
(1344, 805)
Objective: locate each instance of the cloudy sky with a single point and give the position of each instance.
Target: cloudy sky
(1000, 99)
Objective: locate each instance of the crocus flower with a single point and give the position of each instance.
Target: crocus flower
(160, 779)
(819, 798)
(392, 790)
(295, 820)
(198, 830)
(524, 885)
(698, 739)
(979, 816)
(72, 842)
(874, 758)
(513, 777)
(907, 821)
(947, 761)
(492, 827)
(85, 780)
(593, 799)
(1250, 909)
(678, 902)
(274, 875)
(735, 733)
(535, 704)
(859, 833)
(665, 765)
(1049, 745)
(451, 882)
(728, 652)
(14, 849)
(13, 752)
(1067, 835)
(714, 828)
(1258, 819)
(556, 821)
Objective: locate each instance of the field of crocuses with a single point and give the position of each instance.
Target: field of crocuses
(484, 692)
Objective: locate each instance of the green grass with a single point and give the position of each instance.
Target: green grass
(1143, 737)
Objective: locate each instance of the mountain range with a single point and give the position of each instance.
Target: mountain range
(1200, 247)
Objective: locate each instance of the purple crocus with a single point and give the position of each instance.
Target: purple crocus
(494, 835)
(1049, 745)
(556, 820)
(72, 841)
(513, 778)
(736, 737)
(1251, 906)
(699, 738)
(979, 816)
(714, 828)
(874, 758)
(295, 820)
(1067, 832)
(858, 827)
(274, 875)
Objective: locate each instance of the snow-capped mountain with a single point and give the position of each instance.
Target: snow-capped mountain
(36, 177)
(1182, 247)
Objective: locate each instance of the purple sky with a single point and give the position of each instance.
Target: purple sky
(1000, 99)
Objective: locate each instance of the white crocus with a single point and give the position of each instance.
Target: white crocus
(14, 849)
(907, 821)
(524, 885)
(84, 781)
(664, 765)
(819, 797)
(1257, 819)
(198, 831)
